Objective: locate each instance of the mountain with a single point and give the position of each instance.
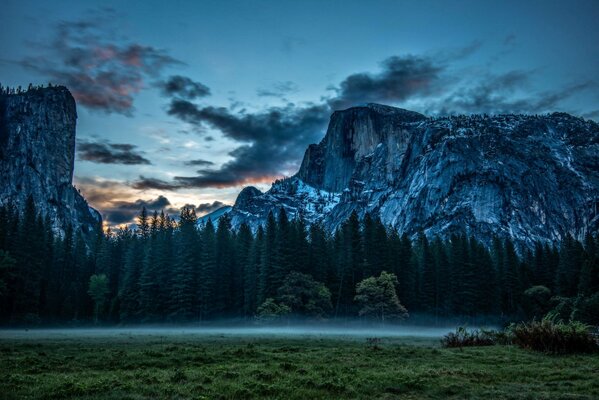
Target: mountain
(37, 154)
(526, 177)
(214, 215)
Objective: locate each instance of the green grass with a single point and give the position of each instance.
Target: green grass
(219, 367)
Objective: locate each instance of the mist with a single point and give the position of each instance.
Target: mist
(351, 330)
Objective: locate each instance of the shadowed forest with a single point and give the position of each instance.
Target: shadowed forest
(181, 271)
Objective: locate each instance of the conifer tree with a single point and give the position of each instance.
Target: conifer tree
(253, 294)
(184, 298)
(208, 272)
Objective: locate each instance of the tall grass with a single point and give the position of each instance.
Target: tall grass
(554, 337)
(463, 337)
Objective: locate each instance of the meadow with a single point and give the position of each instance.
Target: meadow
(150, 364)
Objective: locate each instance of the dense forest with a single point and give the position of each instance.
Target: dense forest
(182, 271)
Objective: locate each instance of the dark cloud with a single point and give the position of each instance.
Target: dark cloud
(198, 163)
(144, 183)
(505, 93)
(99, 192)
(207, 208)
(183, 87)
(110, 153)
(106, 196)
(592, 115)
(102, 72)
(275, 141)
(279, 89)
(121, 212)
(158, 203)
(400, 79)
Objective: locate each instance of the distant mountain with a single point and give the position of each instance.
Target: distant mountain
(214, 215)
(37, 154)
(519, 176)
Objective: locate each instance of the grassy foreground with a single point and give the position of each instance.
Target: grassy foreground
(242, 367)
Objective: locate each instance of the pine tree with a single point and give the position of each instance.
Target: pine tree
(318, 254)
(245, 272)
(226, 280)
(253, 294)
(129, 308)
(184, 299)
(208, 272)
(428, 276)
(568, 269)
(442, 277)
(350, 263)
(510, 285)
(150, 295)
(267, 280)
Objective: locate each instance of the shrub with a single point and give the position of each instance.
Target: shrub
(553, 337)
(463, 337)
(586, 309)
(271, 311)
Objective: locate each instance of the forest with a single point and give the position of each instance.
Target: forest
(178, 270)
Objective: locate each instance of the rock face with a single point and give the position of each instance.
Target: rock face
(37, 154)
(524, 177)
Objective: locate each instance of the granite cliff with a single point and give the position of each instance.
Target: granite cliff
(37, 154)
(519, 176)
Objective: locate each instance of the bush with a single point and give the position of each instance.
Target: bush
(553, 337)
(463, 337)
(271, 311)
(586, 309)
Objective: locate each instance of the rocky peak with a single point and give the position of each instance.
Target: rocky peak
(526, 177)
(351, 135)
(245, 196)
(37, 155)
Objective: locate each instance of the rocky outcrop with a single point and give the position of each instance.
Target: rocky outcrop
(525, 177)
(37, 154)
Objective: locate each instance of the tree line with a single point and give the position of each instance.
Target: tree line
(185, 271)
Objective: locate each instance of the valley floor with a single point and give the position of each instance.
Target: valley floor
(187, 366)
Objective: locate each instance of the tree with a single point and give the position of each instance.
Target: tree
(98, 291)
(184, 294)
(245, 271)
(536, 301)
(303, 295)
(270, 310)
(208, 271)
(266, 278)
(7, 264)
(378, 299)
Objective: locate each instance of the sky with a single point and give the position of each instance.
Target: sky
(186, 102)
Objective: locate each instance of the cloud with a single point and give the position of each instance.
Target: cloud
(121, 212)
(102, 73)
(279, 89)
(207, 208)
(509, 92)
(592, 115)
(401, 78)
(198, 163)
(144, 183)
(183, 87)
(110, 153)
(274, 141)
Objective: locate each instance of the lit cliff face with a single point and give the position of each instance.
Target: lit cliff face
(525, 177)
(37, 153)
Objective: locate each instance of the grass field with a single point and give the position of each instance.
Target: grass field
(211, 366)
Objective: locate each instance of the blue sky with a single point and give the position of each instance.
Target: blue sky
(253, 82)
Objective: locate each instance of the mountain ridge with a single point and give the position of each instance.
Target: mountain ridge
(527, 177)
